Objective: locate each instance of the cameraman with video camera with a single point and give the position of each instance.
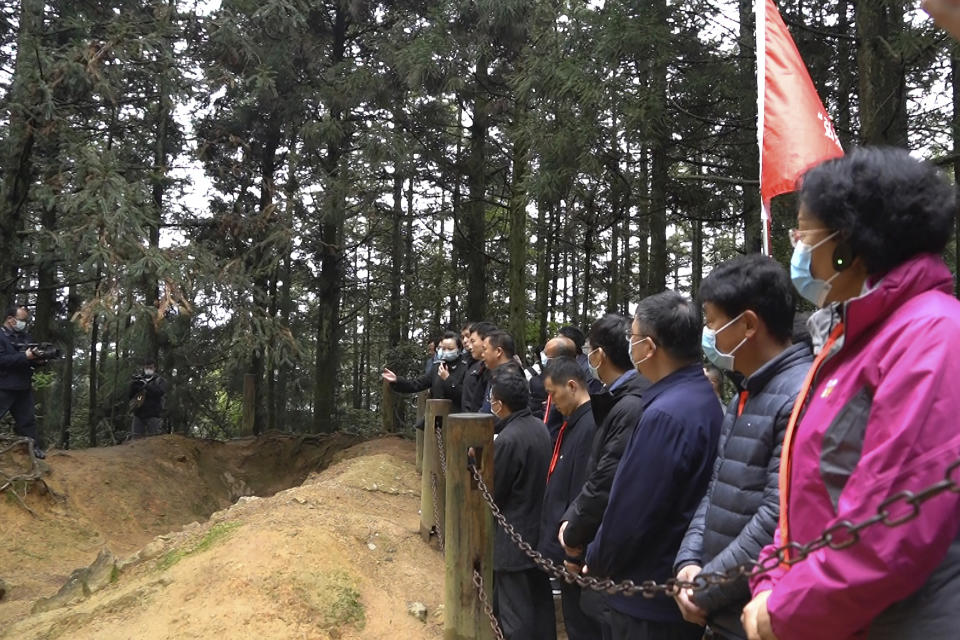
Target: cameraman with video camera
(17, 362)
(146, 401)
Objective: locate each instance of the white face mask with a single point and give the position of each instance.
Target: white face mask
(631, 343)
(148, 372)
(20, 325)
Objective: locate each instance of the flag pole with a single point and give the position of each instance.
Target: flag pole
(760, 30)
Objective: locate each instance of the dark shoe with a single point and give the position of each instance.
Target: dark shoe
(39, 454)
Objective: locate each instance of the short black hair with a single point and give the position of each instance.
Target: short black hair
(673, 322)
(887, 205)
(561, 370)
(574, 334)
(509, 386)
(467, 325)
(755, 282)
(483, 329)
(12, 310)
(608, 333)
(503, 340)
(451, 335)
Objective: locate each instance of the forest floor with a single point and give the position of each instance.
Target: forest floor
(330, 549)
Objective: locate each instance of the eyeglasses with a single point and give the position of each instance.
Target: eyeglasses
(797, 235)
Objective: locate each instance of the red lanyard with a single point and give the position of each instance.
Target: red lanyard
(786, 459)
(556, 450)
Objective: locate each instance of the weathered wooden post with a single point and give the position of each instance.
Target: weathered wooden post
(432, 484)
(249, 403)
(421, 414)
(388, 413)
(469, 530)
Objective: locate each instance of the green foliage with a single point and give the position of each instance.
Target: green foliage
(215, 535)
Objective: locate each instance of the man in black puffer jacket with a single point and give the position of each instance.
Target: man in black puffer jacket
(617, 411)
(748, 308)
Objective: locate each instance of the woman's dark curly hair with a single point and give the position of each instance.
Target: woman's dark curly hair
(887, 205)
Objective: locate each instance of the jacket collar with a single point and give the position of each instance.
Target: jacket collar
(683, 374)
(516, 415)
(788, 357)
(580, 411)
(922, 273)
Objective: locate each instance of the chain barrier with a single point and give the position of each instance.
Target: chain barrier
(487, 609)
(436, 516)
(841, 535)
(441, 450)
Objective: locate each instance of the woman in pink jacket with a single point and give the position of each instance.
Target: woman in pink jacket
(879, 413)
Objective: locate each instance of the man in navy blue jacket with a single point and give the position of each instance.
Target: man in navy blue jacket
(664, 470)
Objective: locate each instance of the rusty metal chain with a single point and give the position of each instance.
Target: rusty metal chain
(441, 450)
(487, 609)
(839, 536)
(436, 517)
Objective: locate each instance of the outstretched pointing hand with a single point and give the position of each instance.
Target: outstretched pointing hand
(388, 375)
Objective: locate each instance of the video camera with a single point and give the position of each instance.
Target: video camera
(42, 351)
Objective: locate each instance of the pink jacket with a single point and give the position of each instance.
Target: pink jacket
(883, 416)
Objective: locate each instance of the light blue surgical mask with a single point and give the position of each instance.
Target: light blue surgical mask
(20, 326)
(810, 288)
(708, 341)
(544, 359)
(449, 356)
(594, 371)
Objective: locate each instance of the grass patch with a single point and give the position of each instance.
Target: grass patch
(216, 534)
(334, 599)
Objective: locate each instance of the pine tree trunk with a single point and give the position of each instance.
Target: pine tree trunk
(955, 82)
(518, 245)
(750, 160)
(16, 150)
(544, 240)
(883, 93)
(396, 261)
(330, 286)
(474, 214)
(643, 229)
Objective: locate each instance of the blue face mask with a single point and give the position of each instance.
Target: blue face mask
(594, 371)
(708, 341)
(449, 356)
(810, 288)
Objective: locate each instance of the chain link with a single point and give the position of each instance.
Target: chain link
(487, 609)
(841, 535)
(436, 515)
(441, 450)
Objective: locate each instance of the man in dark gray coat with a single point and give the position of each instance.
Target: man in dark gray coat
(522, 598)
(748, 306)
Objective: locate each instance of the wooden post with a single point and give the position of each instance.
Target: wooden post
(249, 403)
(421, 415)
(436, 416)
(388, 409)
(469, 531)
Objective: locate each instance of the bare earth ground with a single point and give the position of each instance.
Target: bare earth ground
(338, 556)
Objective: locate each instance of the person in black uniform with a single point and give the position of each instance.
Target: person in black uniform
(147, 391)
(445, 378)
(16, 376)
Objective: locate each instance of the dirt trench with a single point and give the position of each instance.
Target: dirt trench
(122, 497)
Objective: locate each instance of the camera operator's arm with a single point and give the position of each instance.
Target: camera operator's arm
(11, 359)
(137, 385)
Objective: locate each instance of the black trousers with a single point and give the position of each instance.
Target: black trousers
(523, 603)
(19, 403)
(579, 625)
(624, 627)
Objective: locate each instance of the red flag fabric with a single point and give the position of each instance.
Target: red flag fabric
(794, 129)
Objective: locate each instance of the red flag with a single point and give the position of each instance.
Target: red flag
(794, 130)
